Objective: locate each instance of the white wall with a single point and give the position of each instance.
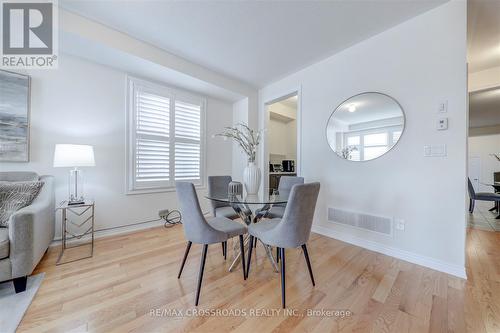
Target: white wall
(282, 138)
(420, 63)
(83, 102)
(482, 147)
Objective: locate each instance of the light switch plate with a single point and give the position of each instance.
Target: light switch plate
(435, 150)
(443, 107)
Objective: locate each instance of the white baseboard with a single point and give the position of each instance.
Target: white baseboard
(414, 258)
(118, 230)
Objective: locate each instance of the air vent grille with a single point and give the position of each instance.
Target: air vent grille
(378, 224)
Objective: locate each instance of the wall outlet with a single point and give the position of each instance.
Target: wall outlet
(400, 224)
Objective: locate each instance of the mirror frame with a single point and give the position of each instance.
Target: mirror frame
(366, 92)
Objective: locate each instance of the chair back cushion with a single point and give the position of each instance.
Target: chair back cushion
(196, 228)
(286, 184)
(218, 187)
(295, 226)
(14, 196)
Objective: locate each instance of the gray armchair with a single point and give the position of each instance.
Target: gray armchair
(30, 232)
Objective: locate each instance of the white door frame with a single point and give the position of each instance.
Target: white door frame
(264, 123)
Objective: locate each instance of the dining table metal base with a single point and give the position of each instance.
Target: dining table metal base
(237, 252)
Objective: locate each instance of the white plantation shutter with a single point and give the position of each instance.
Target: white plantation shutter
(188, 141)
(152, 142)
(165, 137)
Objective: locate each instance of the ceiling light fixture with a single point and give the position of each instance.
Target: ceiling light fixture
(351, 108)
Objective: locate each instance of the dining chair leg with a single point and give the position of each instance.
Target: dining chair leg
(473, 206)
(250, 248)
(282, 263)
(224, 249)
(242, 249)
(470, 205)
(200, 275)
(188, 247)
(277, 254)
(306, 255)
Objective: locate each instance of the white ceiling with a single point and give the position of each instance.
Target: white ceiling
(291, 102)
(256, 42)
(139, 67)
(483, 37)
(484, 108)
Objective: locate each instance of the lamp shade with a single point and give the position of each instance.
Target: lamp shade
(73, 156)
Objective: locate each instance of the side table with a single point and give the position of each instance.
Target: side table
(85, 212)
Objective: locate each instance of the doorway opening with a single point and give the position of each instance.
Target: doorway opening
(281, 140)
(483, 143)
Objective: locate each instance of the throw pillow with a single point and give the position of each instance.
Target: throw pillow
(14, 196)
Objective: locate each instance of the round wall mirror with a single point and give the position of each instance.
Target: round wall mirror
(365, 126)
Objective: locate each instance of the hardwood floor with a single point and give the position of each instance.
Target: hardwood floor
(131, 284)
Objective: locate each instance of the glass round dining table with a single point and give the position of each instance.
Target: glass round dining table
(251, 209)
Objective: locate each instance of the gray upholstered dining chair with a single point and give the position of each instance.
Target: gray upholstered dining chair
(483, 196)
(291, 231)
(218, 187)
(199, 230)
(284, 188)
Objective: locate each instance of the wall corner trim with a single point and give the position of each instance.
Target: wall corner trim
(432, 263)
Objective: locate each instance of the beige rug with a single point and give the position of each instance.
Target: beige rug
(15, 305)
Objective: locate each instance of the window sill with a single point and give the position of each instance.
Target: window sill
(158, 190)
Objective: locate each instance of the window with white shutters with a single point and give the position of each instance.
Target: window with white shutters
(165, 138)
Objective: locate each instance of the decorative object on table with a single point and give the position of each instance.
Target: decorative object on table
(14, 305)
(235, 188)
(14, 117)
(365, 126)
(85, 212)
(251, 177)
(67, 155)
(249, 140)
